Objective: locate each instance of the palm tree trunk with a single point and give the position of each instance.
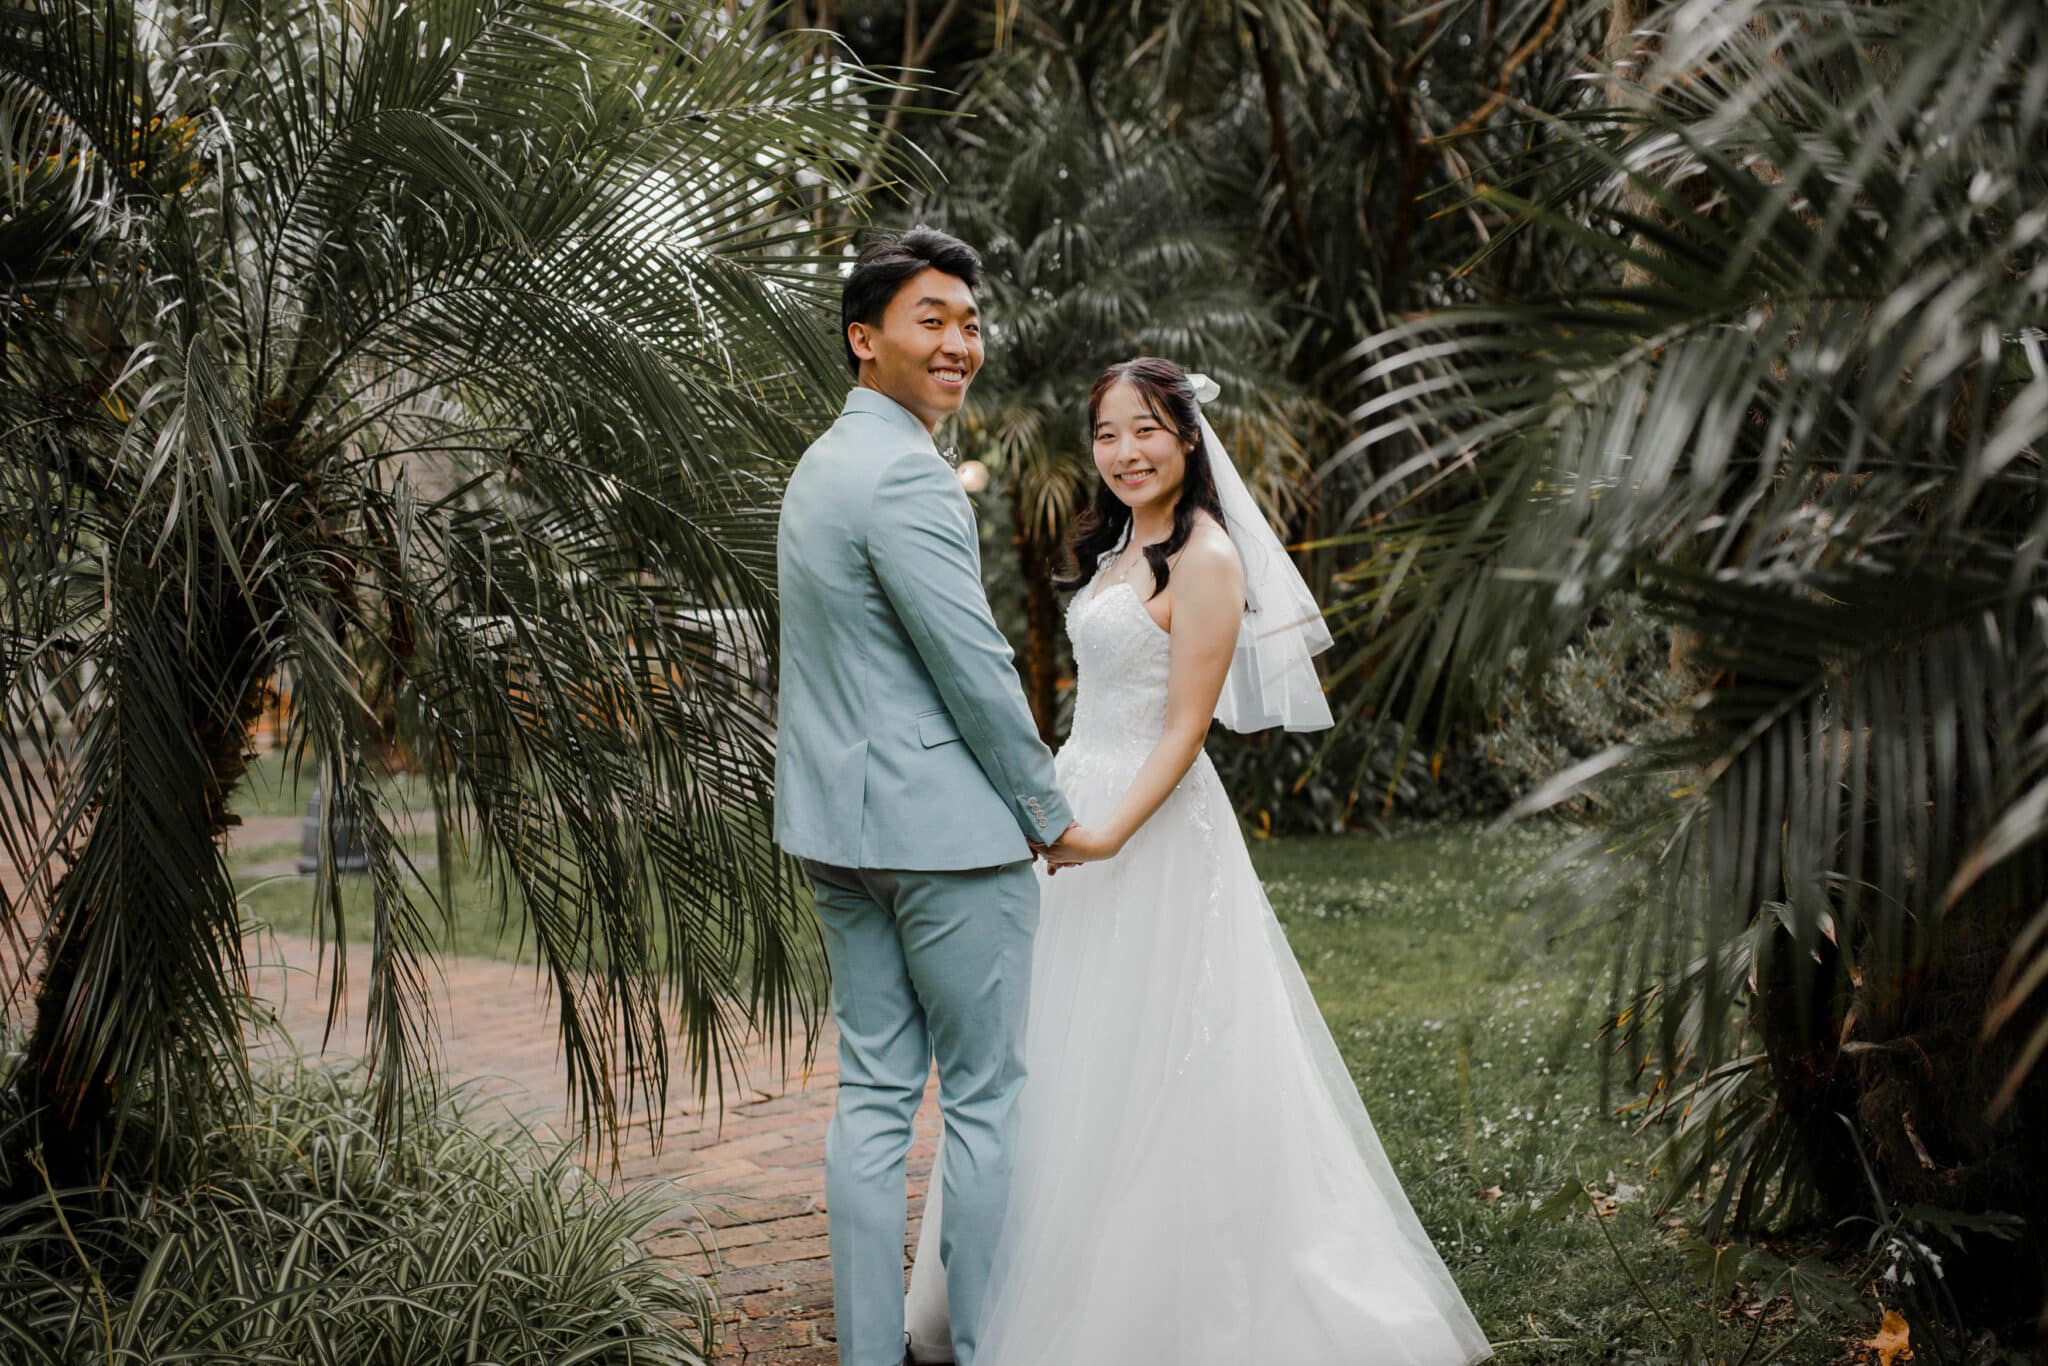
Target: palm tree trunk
(1283, 151)
(66, 1122)
(76, 1119)
(1041, 621)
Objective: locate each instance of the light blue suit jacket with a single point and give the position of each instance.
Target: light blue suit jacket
(902, 736)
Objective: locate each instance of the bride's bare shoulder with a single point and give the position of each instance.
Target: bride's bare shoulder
(1210, 557)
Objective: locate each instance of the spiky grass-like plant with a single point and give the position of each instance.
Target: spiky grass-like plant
(300, 1237)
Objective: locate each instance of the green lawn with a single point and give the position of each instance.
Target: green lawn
(271, 788)
(284, 905)
(1475, 1058)
(1468, 1043)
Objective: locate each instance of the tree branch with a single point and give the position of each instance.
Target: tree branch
(1283, 152)
(1507, 73)
(918, 50)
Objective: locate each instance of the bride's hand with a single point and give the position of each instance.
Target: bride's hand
(1079, 845)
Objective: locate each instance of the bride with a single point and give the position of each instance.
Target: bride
(1197, 1181)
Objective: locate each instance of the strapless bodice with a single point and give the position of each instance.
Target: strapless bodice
(1121, 661)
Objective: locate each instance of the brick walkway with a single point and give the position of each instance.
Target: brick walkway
(755, 1175)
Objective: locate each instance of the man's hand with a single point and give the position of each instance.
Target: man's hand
(1076, 845)
(1044, 851)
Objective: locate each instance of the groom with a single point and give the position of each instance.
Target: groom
(910, 779)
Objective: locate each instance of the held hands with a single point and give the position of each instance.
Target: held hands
(1075, 846)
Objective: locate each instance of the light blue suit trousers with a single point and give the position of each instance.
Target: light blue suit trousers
(909, 778)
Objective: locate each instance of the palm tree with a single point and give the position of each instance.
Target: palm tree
(1799, 407)
(440, 358)
(1101, 242)
(1409, 111)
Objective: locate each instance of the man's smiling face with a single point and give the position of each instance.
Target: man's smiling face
(927, 349)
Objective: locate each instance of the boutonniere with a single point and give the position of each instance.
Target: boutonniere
(951, 455)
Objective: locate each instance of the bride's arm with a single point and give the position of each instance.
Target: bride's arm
(1208, 601)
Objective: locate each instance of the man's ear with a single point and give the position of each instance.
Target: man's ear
(860, 337)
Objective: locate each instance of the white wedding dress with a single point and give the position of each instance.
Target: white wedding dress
(1197, 1182)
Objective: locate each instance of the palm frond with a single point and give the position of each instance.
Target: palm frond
(1800, 409)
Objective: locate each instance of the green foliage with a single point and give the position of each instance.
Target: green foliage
(296, 1236)
(274, 786)
(1101, 240)
(1249, 188)
(1278, 787)
(433, 363)
(1611, 684)
(1796, 411)
(1097, 250)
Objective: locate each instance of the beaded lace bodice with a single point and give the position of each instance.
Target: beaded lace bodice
(1121, 661)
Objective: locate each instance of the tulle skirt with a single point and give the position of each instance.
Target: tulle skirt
(1197, 1180)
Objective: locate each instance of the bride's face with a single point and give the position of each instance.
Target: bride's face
(1136, 450)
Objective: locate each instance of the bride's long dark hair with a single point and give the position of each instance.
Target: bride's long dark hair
(1170, 399)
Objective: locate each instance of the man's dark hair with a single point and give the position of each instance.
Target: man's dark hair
(886, 262)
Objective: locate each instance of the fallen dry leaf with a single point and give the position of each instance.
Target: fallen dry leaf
(1893, 1339)
(1490, 1194)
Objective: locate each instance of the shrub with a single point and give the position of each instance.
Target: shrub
(294, 1237)
(1615, 681)
(1618, 681)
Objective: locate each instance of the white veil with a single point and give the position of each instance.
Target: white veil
(1272, 679)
